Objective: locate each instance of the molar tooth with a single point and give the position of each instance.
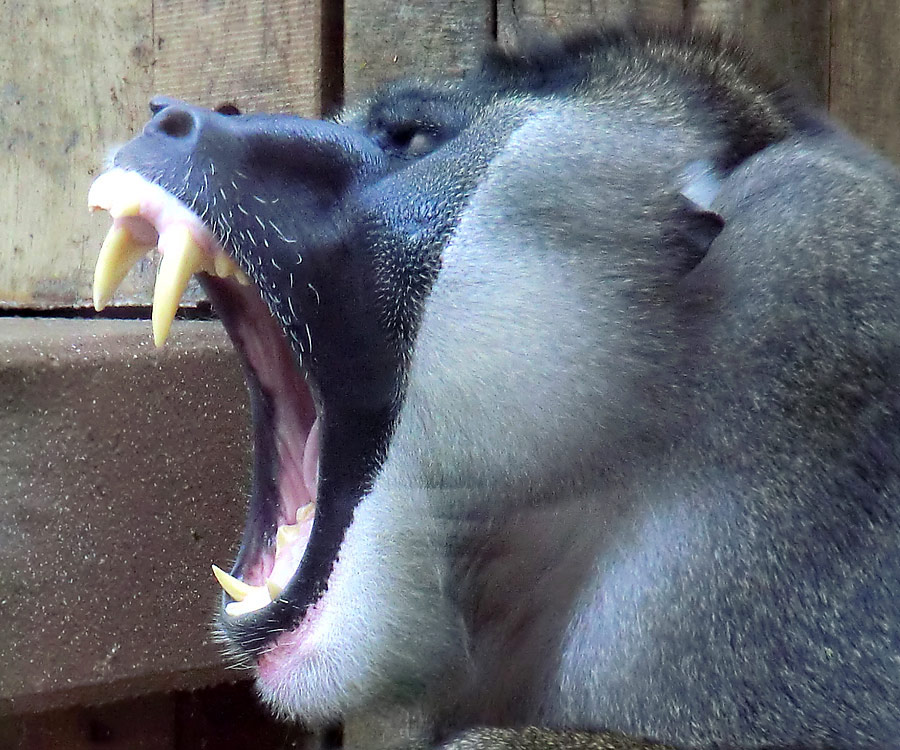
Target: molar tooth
(237, 590)
(182, 257)
(306, 512)
(223, 266)
(118, 254)
(285, 536)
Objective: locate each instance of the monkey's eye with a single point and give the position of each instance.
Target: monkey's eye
(420, 144)
(410, 140)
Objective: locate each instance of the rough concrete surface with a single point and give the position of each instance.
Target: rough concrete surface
(122, 478)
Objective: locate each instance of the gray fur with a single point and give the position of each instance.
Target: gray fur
(681, 504)
(666, 495)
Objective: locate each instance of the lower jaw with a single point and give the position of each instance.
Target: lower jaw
(290, 651)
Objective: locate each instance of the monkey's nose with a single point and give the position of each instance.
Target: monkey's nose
(172, 118)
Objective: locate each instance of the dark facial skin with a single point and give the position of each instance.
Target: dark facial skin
(315, 213)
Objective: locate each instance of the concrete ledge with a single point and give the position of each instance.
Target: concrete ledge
(122, 478)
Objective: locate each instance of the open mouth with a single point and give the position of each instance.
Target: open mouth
(288, 547)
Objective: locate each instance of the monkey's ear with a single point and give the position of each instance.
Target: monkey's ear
(694, 225)
(700, 184)
(690, 234)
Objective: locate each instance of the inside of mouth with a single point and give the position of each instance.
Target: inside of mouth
(286, 439)
(286, 423)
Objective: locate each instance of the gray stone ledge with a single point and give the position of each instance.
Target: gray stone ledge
(123, 474)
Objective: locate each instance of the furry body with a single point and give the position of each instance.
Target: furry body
(628, 440)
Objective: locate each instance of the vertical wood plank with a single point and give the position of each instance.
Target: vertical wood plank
(257, 54)
(76, 78)
(865, 86)
(791, 37)
(387, 39)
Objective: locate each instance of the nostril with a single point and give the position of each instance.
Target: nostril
(228, 109)
(175, 122)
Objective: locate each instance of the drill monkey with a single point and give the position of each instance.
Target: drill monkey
(576, 395)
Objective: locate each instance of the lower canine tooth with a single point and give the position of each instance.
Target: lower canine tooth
(118, 254)
(236, 589)
(182, 257)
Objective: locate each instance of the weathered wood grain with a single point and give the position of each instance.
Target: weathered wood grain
(77, 78)
(791, 37)
(257, 54)
(386, 39)
(865, 71)
(515, 17)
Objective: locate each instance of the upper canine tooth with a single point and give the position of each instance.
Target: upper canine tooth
(237, 590)
(182, 257)
(306, 512)
(120, 251)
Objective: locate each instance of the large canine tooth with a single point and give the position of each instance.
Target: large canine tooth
(182, 257)
(237, 590)
(120, 251)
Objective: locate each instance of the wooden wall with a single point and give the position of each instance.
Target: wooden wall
(77, 76)
(76, 81)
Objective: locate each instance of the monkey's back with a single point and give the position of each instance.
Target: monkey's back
(759, 599)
